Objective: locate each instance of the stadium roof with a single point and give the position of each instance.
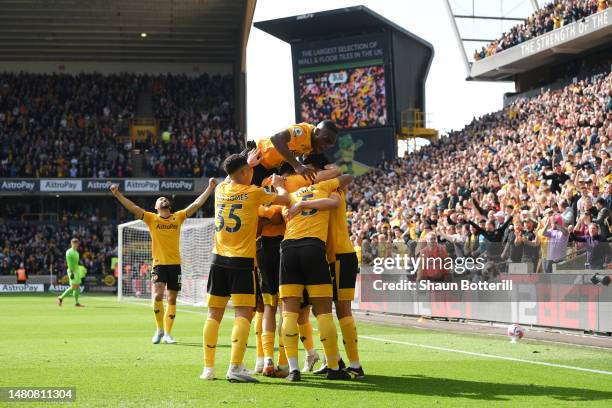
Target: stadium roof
(112, 30)
(315, 26)
(567, 42)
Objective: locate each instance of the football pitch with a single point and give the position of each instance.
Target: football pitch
(105, 351)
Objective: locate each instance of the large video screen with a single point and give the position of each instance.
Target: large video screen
(343, 80)
(353, 97)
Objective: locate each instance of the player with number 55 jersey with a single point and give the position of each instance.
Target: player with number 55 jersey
(232, 272)
(236, 217)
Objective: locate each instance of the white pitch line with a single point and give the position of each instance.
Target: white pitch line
(563, 343)
(492, 356)
(146, 305)
(448, 350)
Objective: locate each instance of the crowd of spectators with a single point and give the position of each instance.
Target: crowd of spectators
(65, 125)
(519, 185)
(40, 247)
(198, 117)
(351, 98)
(76, 125)
(553, 15)
(68, 126)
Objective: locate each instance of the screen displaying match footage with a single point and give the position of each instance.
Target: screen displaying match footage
(352, 97)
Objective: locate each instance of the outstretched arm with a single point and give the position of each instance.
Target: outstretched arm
(331, 171)
(199, 202)
(281, 144)
(330, 203)
(478, 208)
(345, 180)
(505, 224)
(127, 203)
(282, 198)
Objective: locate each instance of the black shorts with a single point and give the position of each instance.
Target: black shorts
(303, 265)
(305, 299)
(268, 264)
(260, 173)
(168, 274)
(344, 274)
(235, 283)
(258, 297)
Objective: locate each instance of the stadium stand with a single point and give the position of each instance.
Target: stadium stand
(73, 126)
(502, 159)
(553, 15)
(198, 113)
(39, 247)
(64, 125)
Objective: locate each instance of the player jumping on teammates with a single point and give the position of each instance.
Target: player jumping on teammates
(74, 274)
(232, 272)
(303, 265)
(165, 230)
(296, 140)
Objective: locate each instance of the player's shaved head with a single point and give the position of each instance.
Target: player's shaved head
(329, 126)
(324, 135)
(162, 202)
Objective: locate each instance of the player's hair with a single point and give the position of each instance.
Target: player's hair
(234, 163)
(318, 160)
(74, 241)
(329, 125)
(286, 168)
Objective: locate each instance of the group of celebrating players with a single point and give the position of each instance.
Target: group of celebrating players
(281, 242)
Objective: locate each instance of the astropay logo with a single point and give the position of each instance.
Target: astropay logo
(17, 185)
(176, 185)
(61, 185)
(142, 185)
(98, 185)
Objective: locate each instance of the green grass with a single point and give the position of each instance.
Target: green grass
(105, 351)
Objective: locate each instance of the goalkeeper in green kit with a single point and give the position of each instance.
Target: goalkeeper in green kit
(74, 273)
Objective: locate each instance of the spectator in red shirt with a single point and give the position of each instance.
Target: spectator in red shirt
(433, 257)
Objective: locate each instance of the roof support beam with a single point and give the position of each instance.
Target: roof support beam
(453, 22)
(488, 17)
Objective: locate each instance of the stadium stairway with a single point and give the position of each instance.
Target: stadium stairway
(138, 164)
(144, 111)
(144, 103)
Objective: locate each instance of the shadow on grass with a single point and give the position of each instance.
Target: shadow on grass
(226, 346)
(452, 388)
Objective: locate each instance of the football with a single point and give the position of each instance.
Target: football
(515, 332)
